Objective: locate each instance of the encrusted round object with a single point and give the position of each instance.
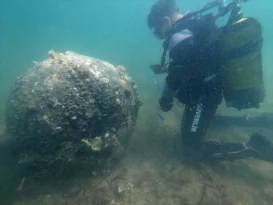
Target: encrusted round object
(72, 109)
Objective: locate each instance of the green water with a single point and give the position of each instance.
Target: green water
(112, 30)
(115, 31)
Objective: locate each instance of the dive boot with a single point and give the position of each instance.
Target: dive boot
(262, 146)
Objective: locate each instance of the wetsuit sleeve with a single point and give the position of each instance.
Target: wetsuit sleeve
(167, 93)
(181, 46)
(180, 50)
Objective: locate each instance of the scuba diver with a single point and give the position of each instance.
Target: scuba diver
(206, 64)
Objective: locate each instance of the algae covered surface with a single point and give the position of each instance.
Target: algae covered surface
(71, 110)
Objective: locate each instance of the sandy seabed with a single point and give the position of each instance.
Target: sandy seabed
(153, 172)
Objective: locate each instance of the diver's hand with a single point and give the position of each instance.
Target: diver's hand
(165, 104)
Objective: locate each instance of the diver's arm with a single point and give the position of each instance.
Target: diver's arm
(166, 99)
(181, 48)
(167, 93)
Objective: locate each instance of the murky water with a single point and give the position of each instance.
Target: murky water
(153, 170)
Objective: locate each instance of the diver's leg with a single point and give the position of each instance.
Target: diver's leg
(258, 147)
(220, 151)
(195, 122)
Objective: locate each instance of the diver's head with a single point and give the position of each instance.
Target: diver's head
(162, 16)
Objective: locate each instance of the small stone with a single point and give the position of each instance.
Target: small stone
(96, 144)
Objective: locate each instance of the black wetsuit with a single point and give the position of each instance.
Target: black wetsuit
(197, 84)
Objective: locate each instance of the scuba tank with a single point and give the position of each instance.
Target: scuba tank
(241, 45)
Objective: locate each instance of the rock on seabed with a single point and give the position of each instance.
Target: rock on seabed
(72, 109)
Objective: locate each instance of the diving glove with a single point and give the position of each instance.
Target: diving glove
(165, 104)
